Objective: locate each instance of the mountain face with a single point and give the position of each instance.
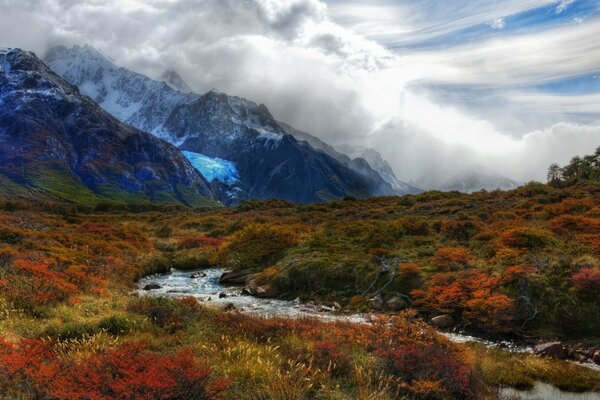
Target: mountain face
(376, 161)
(56, 141)
(218, 133)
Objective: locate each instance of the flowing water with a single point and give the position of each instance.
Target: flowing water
(204, 285)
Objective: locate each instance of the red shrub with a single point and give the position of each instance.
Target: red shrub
(30, 282)
(433, 363)
(587, 280)
(128, 372)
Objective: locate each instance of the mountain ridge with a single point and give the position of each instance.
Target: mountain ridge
(271, 163)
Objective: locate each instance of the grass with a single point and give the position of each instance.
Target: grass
(521, 371)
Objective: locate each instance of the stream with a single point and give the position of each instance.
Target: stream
(204, 285)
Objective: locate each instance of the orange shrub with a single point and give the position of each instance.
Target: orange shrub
(452, 258)
(410, 271)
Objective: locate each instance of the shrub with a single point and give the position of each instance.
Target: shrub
(122, 373)
(257, 246)
(526, 238)
(587, 280)
(452, 258)
(410, 271)
(30, 283)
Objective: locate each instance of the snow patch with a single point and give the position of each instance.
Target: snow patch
(214, 168)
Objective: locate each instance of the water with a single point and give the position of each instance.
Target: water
(207, 289)
(543, 391)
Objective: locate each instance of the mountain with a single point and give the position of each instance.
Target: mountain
(172, 78)
(57, 142)
(367, 162)
(217, 131)
(381, 166)
(478, 177)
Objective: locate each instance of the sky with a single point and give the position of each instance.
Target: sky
(435, 85)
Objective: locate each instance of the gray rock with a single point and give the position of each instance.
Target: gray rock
(266, 291)
(240, 277)
(442, 321)
(250, 289)
(396, 303)
(552, 350)
(152, 286)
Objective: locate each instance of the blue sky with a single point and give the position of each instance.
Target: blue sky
(434, 85)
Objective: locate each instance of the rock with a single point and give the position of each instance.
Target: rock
(296, 301)
(377, 302)
(197, 275)
(396, 303)
(152, 286)
(229, 307)
(250, 289)
(442, 321)
(337, 305)
(222, 295)
(266, 291)
(326, 309)
(236, 277)
(551, 349)
(596, 357)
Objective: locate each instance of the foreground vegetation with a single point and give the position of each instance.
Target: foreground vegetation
(522, 263)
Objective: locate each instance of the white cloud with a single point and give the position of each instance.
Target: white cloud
(498, 23)
(563, 5)
(328, 78)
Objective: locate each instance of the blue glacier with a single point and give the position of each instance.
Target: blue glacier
(212, 169)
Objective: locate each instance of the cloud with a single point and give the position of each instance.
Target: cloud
(318, 67)
(563, 5)
(498, 23)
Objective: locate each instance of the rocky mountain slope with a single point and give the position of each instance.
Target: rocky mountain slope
(55, 141)
(269, 163)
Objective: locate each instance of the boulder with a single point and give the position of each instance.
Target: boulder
(376, 303)
(396, 303)
(152, 286)
(197, 275)
(229, 307)
(236, 277)
(266, 291)
(551, 349)
(442, 321)
(250, 288)
(596, 357)
(222, 295)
